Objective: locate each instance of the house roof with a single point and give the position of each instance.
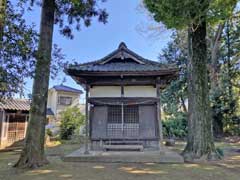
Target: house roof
(15, 104)
(120, 60)
(66, 89)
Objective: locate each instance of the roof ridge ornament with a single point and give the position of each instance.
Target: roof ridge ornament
(122, 45)
(122, 53)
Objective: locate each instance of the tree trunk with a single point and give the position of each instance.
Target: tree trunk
(229, 52)
(214, 56)
(200, 143)
(214, 70)
(33, 155)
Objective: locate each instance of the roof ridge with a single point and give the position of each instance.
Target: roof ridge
(122, 46)
(67, 88)
(18, 99)
(108, 63)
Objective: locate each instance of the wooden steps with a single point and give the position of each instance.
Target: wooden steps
(126, 142)
(123, 147)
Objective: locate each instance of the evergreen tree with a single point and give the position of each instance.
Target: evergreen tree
(226, 96)
(174, 97)
(194, 16)
(223, 76)
(176, 53)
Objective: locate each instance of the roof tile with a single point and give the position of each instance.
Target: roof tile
(15, 104)
(121, 64)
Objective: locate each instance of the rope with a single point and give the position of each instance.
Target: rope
(122, 103)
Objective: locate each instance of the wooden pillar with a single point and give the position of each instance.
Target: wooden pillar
(26, 124)
(5, 125)
(122, 105)
(159, 116)
(86, 150)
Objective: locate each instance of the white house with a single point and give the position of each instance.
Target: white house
(60, 97)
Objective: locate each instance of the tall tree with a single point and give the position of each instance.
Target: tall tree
(217, 48)
(57, 12)
(226, 94)
(33, 152)
(175, 94)
(194, 16)
(173, 98)
(215, 43)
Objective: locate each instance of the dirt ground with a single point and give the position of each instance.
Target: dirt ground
(227, 169)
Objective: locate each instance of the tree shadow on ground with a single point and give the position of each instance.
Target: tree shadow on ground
(57, 169)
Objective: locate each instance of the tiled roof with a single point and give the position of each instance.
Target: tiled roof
(120, 60)
(15, 104)
(67, 89)
(120, 67)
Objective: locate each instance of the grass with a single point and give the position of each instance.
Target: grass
(227, 169)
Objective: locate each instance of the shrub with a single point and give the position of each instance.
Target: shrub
(175, 126)
(49, 132)
(71, 120)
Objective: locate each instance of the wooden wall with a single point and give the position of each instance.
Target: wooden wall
(147, 123)
(98, 122)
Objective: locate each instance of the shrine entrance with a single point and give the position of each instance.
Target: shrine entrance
(123, 121)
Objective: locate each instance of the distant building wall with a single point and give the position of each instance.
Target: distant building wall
(82, 108)
(53, 102)
(75, 101)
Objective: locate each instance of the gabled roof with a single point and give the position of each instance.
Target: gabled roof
(66, 89)
(120, 60)
(122, 53)
(15, 104)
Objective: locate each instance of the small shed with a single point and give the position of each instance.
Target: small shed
(123, 98)
(14, 115)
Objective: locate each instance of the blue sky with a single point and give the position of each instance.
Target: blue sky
(98, 40)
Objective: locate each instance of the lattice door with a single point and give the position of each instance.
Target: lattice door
(114, 125)
(16, 128)
(123, 121)
(131, 121)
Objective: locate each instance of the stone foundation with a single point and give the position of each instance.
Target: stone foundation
(124, 157)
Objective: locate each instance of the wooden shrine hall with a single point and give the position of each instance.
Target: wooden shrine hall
(123, 99)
